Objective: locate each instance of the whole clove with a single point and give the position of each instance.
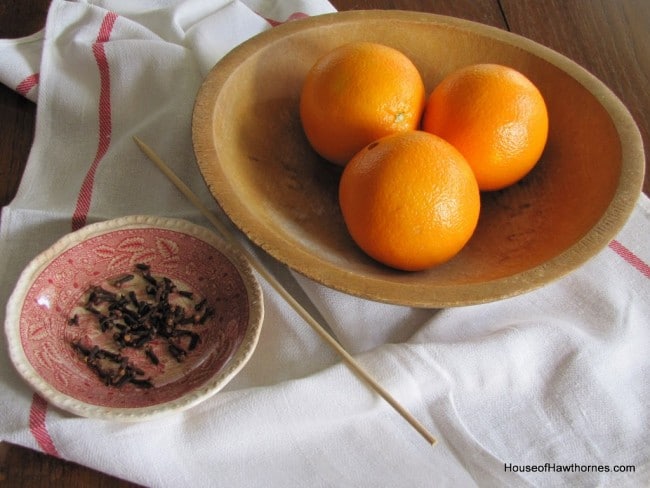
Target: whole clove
(151, 355)
(178, 352)
(119, 281)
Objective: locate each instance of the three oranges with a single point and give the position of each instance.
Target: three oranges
(414, 167)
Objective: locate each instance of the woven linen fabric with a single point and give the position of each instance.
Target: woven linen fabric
(549, 388)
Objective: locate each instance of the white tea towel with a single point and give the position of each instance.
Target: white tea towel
(546, 389)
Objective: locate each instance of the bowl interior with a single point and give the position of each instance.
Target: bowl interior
(258, 164)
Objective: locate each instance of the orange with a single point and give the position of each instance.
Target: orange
(409, 200)
(356, 94)
(495, 116)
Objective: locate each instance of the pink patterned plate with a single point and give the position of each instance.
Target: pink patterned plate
(134, 318)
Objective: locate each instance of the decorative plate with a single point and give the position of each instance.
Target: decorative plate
(134, 318)
(260, 168)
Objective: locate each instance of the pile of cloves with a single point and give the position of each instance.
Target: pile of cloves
(134, 321)
(112, 368)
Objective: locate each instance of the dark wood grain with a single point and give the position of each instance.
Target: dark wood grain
(610, 38)
(21, 467)
(484, 11)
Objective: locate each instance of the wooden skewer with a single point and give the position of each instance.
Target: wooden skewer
(261, 269)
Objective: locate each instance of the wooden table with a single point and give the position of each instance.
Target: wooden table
(611, 38)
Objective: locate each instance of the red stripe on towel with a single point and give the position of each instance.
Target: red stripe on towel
(37, 425)
(105, 124)
(38, 410)
(293, 16)
(630, 257)
(25, 86)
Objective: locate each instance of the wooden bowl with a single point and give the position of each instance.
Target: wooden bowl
(260, 168)
(47, 314)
